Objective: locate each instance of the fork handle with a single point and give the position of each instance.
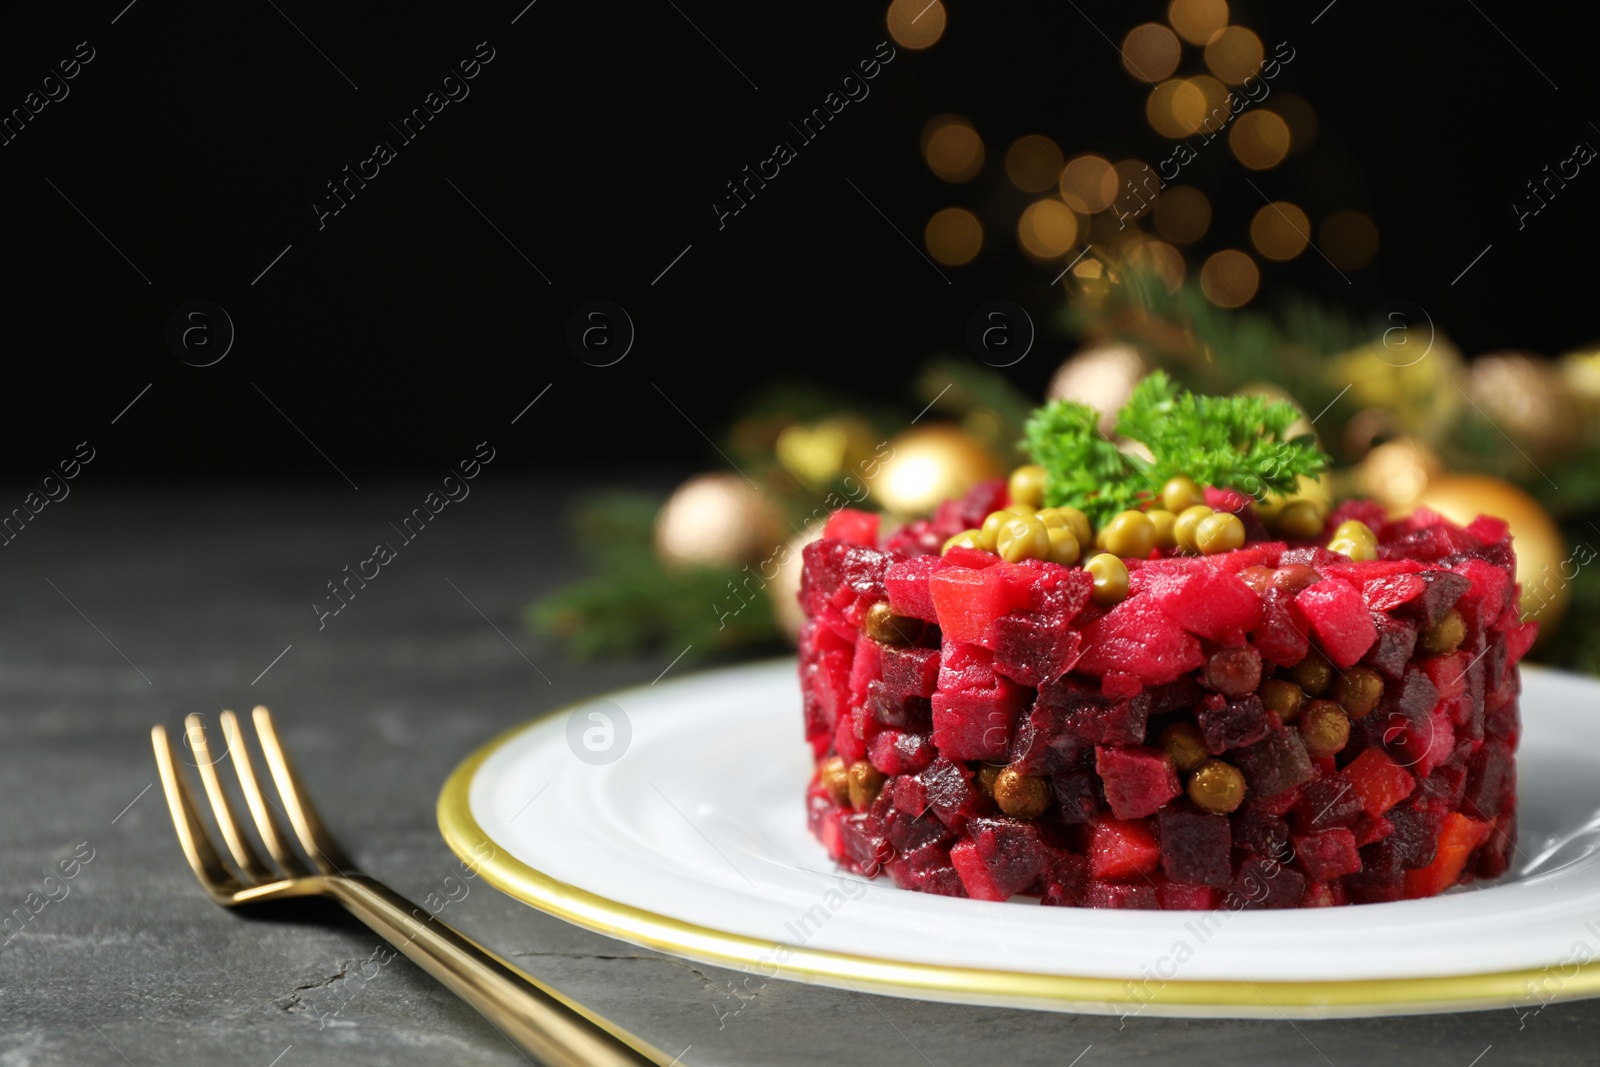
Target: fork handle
(533, 1016)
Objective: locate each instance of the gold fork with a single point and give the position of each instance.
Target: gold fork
(557, 1030)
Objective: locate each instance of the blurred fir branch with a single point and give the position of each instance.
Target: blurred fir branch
(633, 604)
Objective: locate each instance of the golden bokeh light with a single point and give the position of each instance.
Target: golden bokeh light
(1047, 229)
(1280, 231)
(1201, 105)
(1183, 215)
(1151, 52)
(915, 24)
(1162, 107)
(1234, 54)
(952, 148)
(1163, 259)
(1349, 239)
(1089, 184)
(1302, 120)
(1197, 21)
(1033, 163)
(1229, 278)
(953, 236)
(1259, 139)
(1137, 187)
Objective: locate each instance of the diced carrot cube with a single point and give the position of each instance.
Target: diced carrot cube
(1379, 780)
(1457, 838)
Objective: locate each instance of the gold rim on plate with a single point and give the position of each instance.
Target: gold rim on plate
(467, 839)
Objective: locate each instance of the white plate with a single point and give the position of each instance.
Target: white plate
(693, 841)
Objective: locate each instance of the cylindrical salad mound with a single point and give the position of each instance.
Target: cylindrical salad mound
(1229, 706)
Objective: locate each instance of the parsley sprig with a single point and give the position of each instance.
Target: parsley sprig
(1237, 442)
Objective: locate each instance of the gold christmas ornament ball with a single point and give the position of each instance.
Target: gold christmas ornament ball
(1526, 399)
(818, 455)
(717, 520)
(1420, 381)
(785, 584)
(1397, 472)
(1544, 567)
(1102, 376)
(928, 465)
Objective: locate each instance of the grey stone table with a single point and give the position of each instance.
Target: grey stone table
(126, 607)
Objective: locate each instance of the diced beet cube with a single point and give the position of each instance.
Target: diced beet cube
(1386, 593)
(1064, 881)
(1095, 719)
(1421, 748)
(1381, 877)
(971, 558)
(917, 538)
(907, 833)
(1012, 851)
(1485, 600)
(1124, 895)
(1122, 850)
(1485, 774)
(1416, 834)
(966, 601)
(1138, 638)
(1369, 828)
(1275, 764)
(974, 874)
(1256, 554)
(1328, 854)
(819, 578)
(1363, 511)
(974, 709)
(1117, 685)
(1415, 697)
(1175, 896)
(1223, 498)
(950, 794)
(1196, 847)
(909, 672)
(1448, 674)
(904, 713)
(969, 511)
(1180, 694)
(1204, 600)
(861, 575)
(1041, 743)
(1338, 616)
(1265, 883)
(1390, 653)
(1228, 724)
(866, 844)
(1055, 592)
(1493, 858)
(866, 666)
(1075, 796)
(1280, 639)
(853, 527)
(1440, 592)
(1033, 650)
(1381, 782)
(1325, 804)
(909, 794)
(1260, 832)
(906, 584)
(1137, 779)
(898, 752)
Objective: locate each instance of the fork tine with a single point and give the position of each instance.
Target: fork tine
(260, 810)
(239, 846)
(197, 848)
(314, 837)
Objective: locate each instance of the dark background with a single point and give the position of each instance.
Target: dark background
(408, 329)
